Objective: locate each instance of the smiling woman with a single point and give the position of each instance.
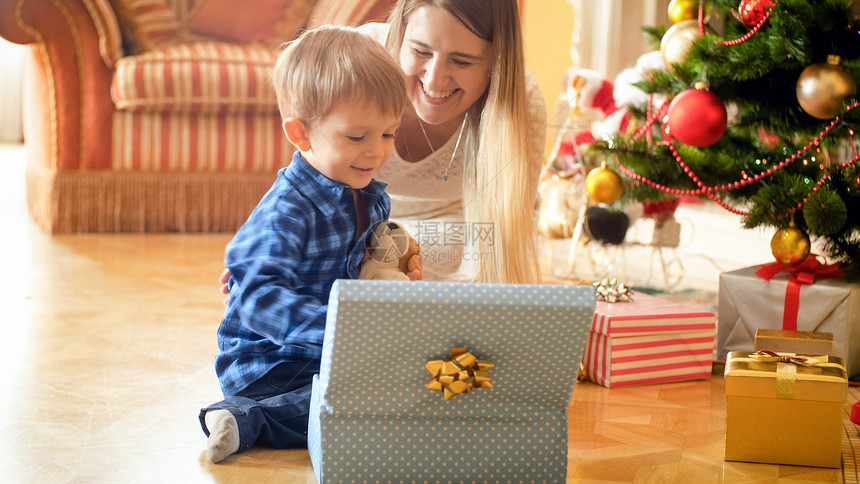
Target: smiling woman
(448, 67)
(468, 198)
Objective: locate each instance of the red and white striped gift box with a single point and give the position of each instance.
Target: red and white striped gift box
(649, 340)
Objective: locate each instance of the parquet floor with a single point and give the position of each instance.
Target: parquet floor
(107, 354)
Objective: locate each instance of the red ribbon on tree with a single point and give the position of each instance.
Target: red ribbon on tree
(803, 273)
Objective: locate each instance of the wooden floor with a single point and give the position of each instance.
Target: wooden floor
(108, 355)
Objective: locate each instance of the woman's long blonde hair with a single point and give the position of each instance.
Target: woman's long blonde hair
(499, 180)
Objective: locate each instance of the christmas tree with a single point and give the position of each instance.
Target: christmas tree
(786, 155)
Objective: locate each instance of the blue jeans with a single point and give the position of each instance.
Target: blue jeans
(273, 410)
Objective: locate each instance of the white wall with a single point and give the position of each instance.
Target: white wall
(608, 34)
(11, 60)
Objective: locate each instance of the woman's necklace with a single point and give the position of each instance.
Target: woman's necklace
(457, 145)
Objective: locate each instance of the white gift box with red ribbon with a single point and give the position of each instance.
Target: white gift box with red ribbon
(649, 340)
(747, 302)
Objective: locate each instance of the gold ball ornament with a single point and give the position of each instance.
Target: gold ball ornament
(822, 88)
(790, 246)
(604, 185)
(680, 10)
(677, 41)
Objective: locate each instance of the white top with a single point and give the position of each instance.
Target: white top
(428, 205)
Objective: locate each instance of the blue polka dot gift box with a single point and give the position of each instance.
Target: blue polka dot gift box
(447, 382)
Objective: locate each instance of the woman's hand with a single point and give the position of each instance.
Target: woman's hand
(412, 264)
(223, 279)
(414, 275)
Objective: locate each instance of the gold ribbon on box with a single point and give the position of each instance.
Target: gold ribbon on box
(786, 368)
(460, 374)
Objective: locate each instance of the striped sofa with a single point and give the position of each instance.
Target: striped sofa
(156, 115)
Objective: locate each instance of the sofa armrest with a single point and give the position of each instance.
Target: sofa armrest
(23, 22)
(67, 90)
(107, 26)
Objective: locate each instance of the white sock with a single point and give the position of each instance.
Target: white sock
(223, 435)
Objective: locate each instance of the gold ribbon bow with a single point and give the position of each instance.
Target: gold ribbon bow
(459, 374)
(786, 368)
(766, 356)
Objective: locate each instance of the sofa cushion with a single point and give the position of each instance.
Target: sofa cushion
(349, 12)
(269, 22)
(201, 77)
(145, 24)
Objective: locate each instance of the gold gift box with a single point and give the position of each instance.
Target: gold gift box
(784, 413)
(799, 342)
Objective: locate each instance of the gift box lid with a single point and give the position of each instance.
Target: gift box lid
(749, 377)
(380, 335)
(647, 314)
(793, 335)
(804, 342)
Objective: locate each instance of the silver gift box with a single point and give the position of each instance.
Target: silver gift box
(748, 302)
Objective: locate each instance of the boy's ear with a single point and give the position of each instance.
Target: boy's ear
(297, 133)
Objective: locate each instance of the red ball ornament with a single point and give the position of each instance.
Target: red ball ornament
(752, 11)
(697, 117)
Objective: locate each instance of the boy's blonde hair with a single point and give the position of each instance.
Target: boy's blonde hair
(500, 179)
(332, 65)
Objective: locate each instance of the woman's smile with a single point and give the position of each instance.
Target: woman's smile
(438, 94)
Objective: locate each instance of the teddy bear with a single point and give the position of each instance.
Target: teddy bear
(392, 254)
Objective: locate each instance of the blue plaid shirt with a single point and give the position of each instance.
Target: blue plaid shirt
(284, 260)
